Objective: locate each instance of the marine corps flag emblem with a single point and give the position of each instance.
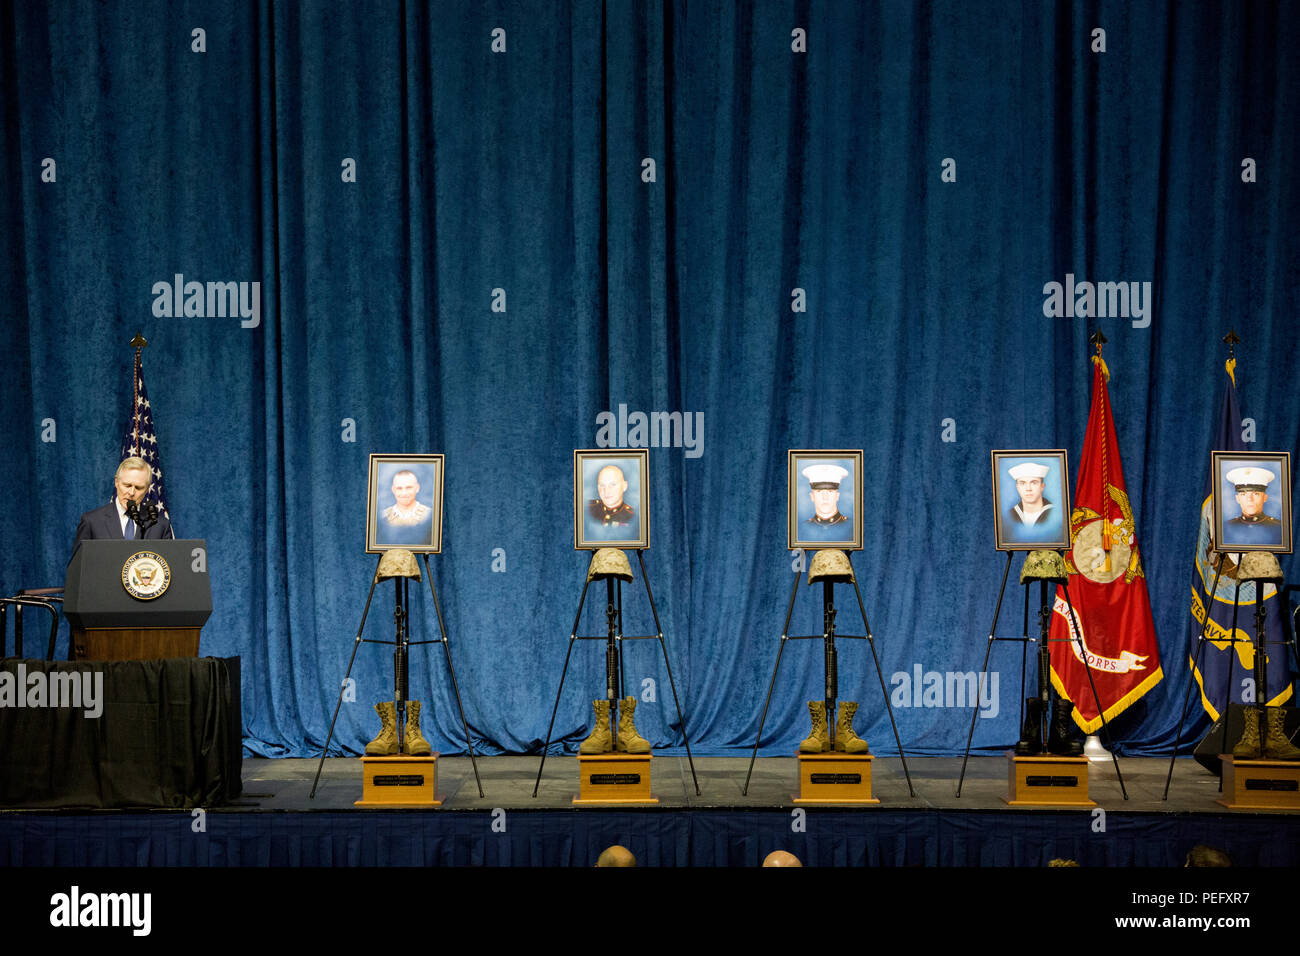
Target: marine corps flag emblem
(1107, 585)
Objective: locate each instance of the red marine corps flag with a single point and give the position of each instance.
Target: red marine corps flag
(1107, 585)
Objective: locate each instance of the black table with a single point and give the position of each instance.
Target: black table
(160, 733)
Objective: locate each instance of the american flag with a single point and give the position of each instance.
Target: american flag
(140, 441)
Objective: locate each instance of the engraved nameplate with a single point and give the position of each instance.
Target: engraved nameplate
(1266, 783)
(614, 778)
(399, 780)
(835, 778)
(1045, 781)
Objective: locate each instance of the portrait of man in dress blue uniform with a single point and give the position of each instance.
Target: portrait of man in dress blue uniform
(824, 502)
(612, 501)
(1251, 501)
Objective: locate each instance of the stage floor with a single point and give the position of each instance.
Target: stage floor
(274, 823)
(284, 784)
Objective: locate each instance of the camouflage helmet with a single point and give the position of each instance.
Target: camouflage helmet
(830, 564)
(1044, 566)
(1260, 566)
(397, 563)
(609, 563)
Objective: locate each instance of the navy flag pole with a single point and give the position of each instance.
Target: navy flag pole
(1212, 676)
(140, 440)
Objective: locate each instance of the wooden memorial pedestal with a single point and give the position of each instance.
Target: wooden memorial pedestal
(1047, 781)
(1260, 784)
(613, 778)
(399, 781)
(834, 778)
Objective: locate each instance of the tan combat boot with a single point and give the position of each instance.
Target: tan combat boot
(1247, 748)
(846, 739)
(629, 741)
(1276, 744)
(416, 745)
(819, 741)
(386, 743)
(600, 741)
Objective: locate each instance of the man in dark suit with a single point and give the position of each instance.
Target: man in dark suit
(111, 521)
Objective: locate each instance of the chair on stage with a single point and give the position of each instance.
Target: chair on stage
(50, 599)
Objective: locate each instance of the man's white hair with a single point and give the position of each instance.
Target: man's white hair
(134, 464)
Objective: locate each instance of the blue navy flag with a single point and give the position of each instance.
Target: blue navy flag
(140, 441)
(1216, 684)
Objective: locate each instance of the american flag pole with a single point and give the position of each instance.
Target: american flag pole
(140, 440)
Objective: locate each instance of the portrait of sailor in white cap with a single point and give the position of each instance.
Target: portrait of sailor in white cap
(1031, 510)
(1033, 507)
(1252, 526)
(824, 482)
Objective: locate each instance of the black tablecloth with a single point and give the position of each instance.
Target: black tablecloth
(168, 734)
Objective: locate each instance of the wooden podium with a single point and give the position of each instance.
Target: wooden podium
(1047, 781)
(133, 643)
(613, 779)
(834, 778)
(110, 623)
(1260, 784)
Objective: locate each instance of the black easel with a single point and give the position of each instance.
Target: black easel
(1207, 607)
(1023, 640)
(1045, 661)
(400, 643)
(1044, 665)
(828, 636)
(1288, 629)
(614, 638)
(1260, 675)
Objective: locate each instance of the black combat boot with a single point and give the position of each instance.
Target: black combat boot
(1031, 735)
(1059, 741)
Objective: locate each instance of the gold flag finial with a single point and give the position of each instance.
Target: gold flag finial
(139, 341)
(1098, 340)
(1231, 340)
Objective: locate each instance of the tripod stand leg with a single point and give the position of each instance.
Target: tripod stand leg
(659, 631)
(1191, 680)
(1288, 632)
(622, 667)
(979, 692)
(1024, 659)
(775, 667)
(1232, 655)
(342, 684)
(451, 669)
(884, 693)
(573, 636)
(1096, 699)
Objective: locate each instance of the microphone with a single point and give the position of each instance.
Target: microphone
(148, 516)
(133, 511)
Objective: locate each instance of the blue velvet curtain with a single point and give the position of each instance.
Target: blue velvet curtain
(508, 264)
